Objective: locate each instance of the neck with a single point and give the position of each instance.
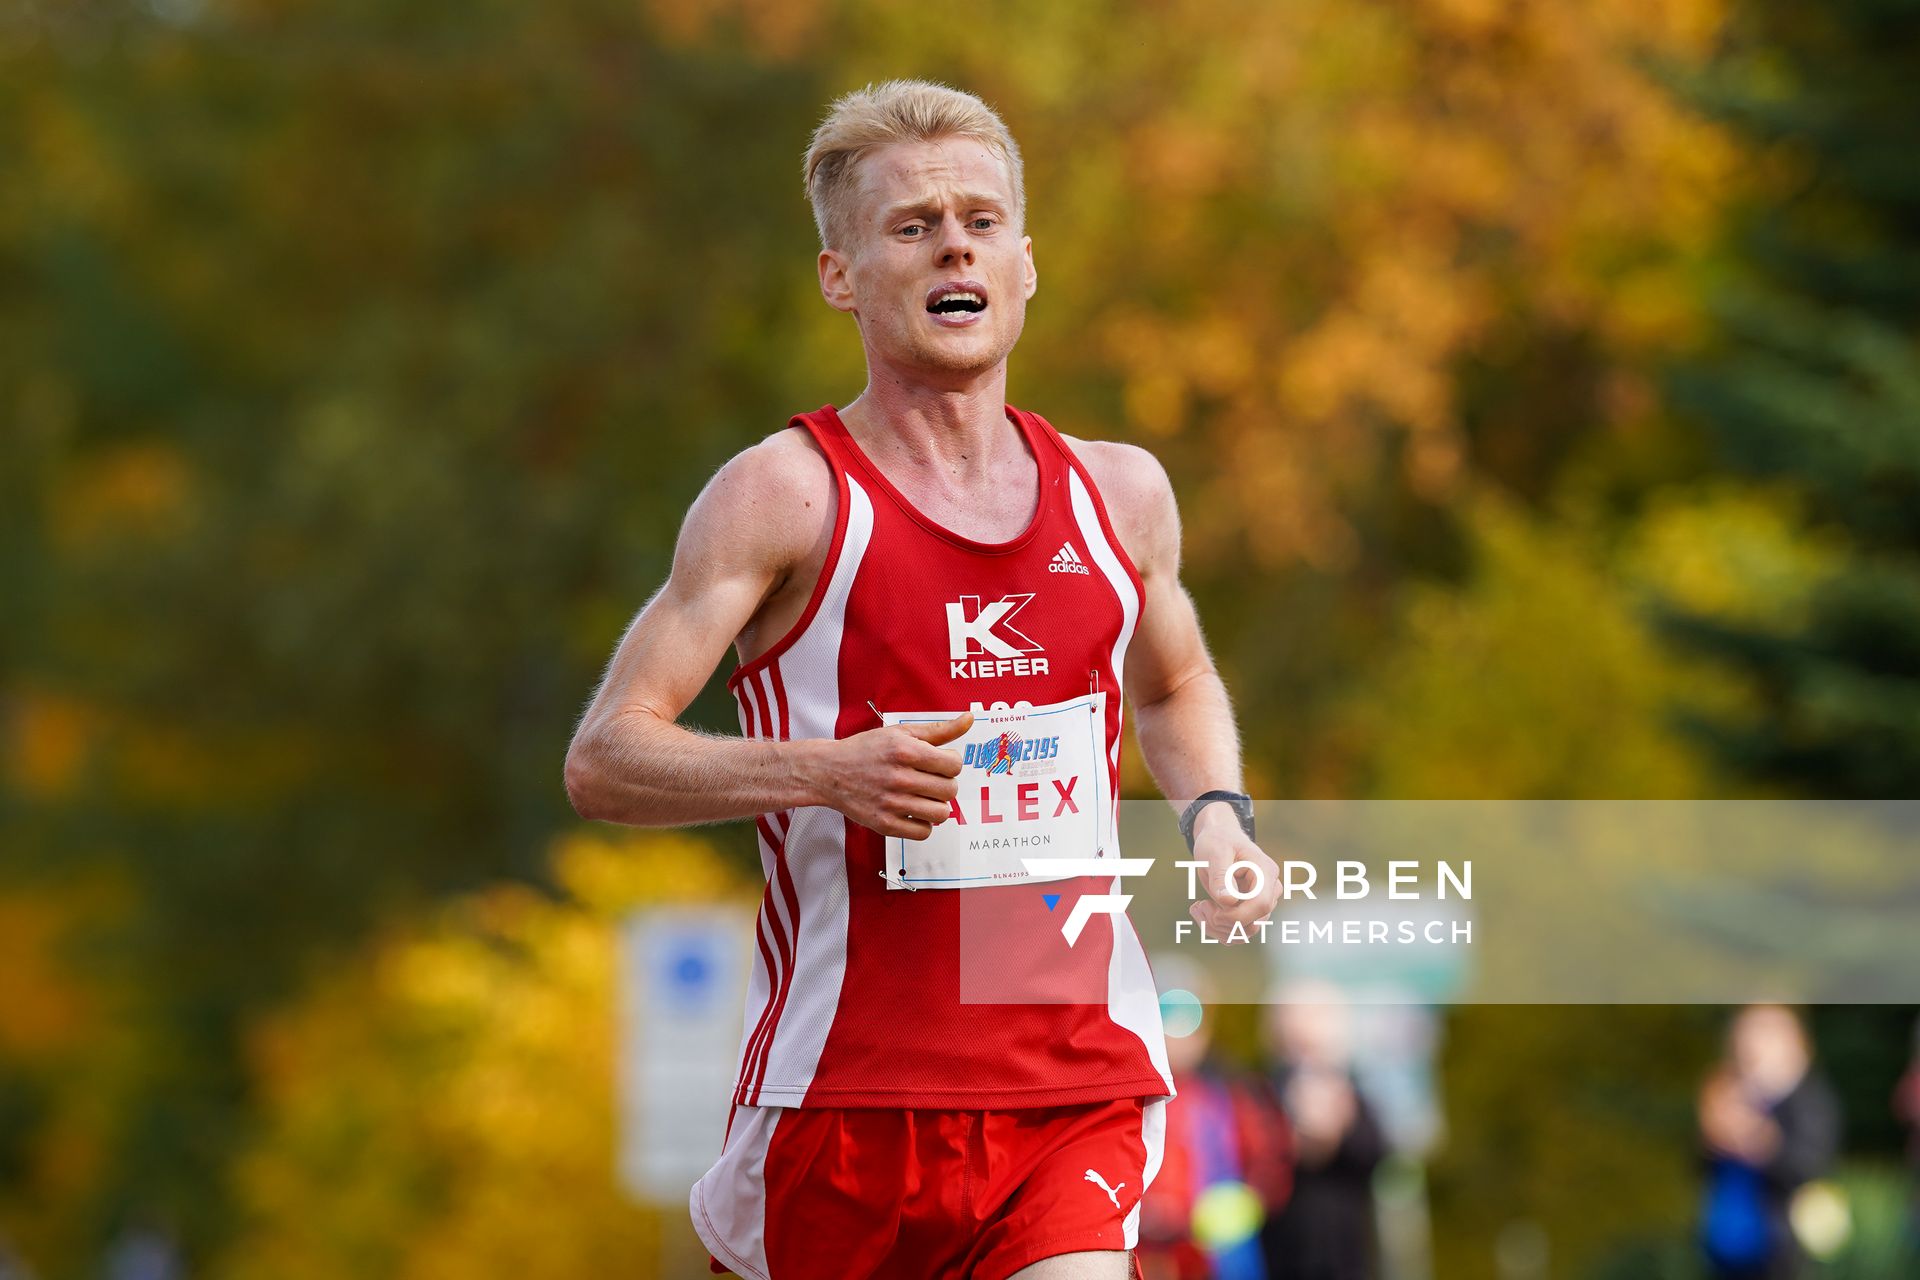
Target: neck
(958, 426)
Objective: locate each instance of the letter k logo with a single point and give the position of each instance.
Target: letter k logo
(972, 629)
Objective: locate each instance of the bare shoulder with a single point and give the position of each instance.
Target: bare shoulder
(786, 467)
(767, 506)
(1124, 472)
(1138, 497)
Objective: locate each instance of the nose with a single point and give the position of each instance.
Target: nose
(955, 248)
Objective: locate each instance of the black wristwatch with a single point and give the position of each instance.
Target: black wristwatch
(1242, 807)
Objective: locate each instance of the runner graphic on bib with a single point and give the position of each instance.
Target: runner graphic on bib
(1033, 784)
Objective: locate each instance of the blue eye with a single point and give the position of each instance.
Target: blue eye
(984, 223)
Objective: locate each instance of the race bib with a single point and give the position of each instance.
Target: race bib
(1033, 784)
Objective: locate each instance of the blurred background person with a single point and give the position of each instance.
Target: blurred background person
(1226, 1166)
(12, 1266)
(144, 1250)
(1326, 1229)
(1906, 1104)
(1770, 1124)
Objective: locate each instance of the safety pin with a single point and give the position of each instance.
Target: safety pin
(902, 883)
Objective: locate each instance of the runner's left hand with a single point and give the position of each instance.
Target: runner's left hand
(1219, 842)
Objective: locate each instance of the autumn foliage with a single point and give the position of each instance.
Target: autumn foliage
(358, 360)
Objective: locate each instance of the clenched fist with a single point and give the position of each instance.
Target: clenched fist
(897, 780)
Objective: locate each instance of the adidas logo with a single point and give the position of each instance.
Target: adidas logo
(1066, 561)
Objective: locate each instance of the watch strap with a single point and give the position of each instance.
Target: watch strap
(1241, 804)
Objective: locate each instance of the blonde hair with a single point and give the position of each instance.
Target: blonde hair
(897, 111)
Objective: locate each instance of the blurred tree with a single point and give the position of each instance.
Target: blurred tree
(1539, 677)
(1576, 1119)
(444, 1105)
(1813, 382)
(357, 361)
(1815, 378)
(69, 1056)
(357, 364)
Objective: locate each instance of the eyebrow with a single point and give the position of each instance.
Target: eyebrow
(970, 199)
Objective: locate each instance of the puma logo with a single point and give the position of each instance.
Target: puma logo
(1113, 1193)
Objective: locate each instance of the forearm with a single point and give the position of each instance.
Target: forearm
(1189, 741)
(636, 768)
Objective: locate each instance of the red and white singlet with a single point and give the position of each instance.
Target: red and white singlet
(855, 998)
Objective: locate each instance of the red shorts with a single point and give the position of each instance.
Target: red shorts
(823, 1193)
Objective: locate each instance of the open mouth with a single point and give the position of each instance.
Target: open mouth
(956, 300)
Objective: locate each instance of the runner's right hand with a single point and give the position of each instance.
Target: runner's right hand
(896, 780)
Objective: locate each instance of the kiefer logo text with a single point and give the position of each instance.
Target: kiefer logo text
(982, 640)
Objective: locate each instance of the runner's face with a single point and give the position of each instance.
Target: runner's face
(928, 216)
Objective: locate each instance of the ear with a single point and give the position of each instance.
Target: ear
(1031, 276)
(836, 280)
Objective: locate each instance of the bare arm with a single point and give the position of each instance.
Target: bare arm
(1182, 715)
(631, 762)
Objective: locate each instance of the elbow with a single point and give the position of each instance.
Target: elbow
(607, 768)
(582, 779)
(600, 770)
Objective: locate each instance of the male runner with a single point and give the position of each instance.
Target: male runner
(885, 571)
